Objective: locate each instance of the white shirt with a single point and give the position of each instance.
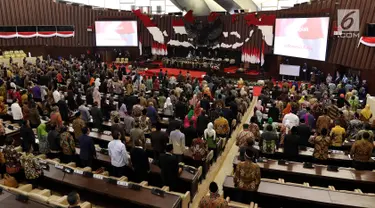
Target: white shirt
(56, 96)
(16, 111)
(117, 152)
(291, 119)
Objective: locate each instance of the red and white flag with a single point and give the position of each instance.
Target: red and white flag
(367, 41)
(179, 27)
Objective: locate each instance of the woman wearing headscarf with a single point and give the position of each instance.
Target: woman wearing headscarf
(259, 116)
(196, 90)
(366, 114)
(168, 107)
(123, 111)
(194, 100)
(354, 103)
(210, 136)
(42, 137)
(190, 116)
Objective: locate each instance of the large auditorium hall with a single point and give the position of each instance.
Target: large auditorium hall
(187, 104)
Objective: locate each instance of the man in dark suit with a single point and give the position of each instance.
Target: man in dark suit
(64, 110)
(118, 127)
(140, 162)
(205, 102)
(170, 170)
(202, 122)
(97, 117)
(173, 124)
(304, 132)
(87, 153)
(190, 134)
(159, 141)
(291, 143)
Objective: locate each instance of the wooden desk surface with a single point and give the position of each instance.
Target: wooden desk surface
(318, 170)
(8, 199)
(185, 175)
(309, 194)
(141, 197)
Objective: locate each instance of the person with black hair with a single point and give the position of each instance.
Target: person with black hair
(291, 142)
(321, 144)
(221, 126)
(159, 140)
(27, 136)
(268, 141)
(32, 168)
(254, 128)
(247, 176)
(170, 169)
(54, 142)
(67, 145)
(361, 152)
(118, 127)
(118, 155)
(73, 200)
(274, 113)
(248, 146)
(97, 117)
(78, 124)
(87, 151)
(16, 112)
(190, 134)
(304, 132)
(214, 200)
(140, 162)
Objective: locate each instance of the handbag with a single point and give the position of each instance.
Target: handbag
(10, 181)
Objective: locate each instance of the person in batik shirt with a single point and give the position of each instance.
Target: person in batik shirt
(214, 200)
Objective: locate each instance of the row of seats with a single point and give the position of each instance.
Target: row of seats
(44, 196)
(184, 197)
(306, 184)
(13, 54)
(122, 60)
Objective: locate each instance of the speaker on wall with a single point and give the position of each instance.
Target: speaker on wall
(371, 30)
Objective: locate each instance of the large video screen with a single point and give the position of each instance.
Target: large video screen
(116, 33)
(302, 37)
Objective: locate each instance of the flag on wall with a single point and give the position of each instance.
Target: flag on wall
(367, 41)
(36, 31)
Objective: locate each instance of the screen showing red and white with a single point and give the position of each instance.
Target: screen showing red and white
(302, 37)
(116, 33)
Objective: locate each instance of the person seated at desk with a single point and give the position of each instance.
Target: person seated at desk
(244, 136)
(361, 152)
(73, 200)
(321, 144)
(268, 140)
(118, 154)
(140, 162)
(246, 177)
(291, 142)
(248, 146)
(87, 152)
(214, 200)
(170, 169)
(337, 134)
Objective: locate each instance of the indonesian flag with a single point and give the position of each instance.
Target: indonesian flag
(8, 34)
(367, 41)
(156, 33)
(179, 27)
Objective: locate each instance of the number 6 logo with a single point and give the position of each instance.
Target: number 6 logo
(348, 19)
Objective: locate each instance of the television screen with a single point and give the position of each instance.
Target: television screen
(289, 70)
(116, 33)
(302, 37)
